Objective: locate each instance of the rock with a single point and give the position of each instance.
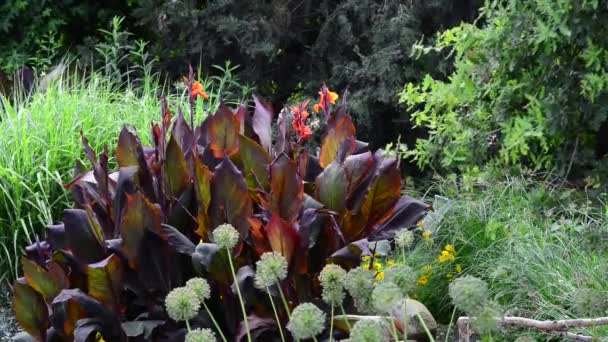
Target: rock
(415, 330)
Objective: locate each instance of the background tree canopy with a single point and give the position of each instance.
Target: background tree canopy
(282, 47)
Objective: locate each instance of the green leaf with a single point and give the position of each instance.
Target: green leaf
(46, 282)
(255, 163)
(178, 176)
(105, 280)
(30, 309)
(332, 187)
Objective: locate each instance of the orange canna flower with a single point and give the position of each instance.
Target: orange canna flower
(316, 108)
(198, 90)
(326, 97)
(300, 115)
(332, 96)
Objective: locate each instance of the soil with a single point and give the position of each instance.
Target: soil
(8, 324)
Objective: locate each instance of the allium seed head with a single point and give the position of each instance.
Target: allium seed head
(590, 302)
(201, 287)
(369, 330)
(182, 304)
(306, 321)
(469, 294)
(360, 284)
(403, 276)
(487, 320)
(200, 335)
(404, 238)
(270, 269)
(332, 280)
(225, 236)
(386, 296)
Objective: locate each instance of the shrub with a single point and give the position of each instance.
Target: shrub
(134, 235)
(530, 88)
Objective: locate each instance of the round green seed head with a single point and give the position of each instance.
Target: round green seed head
(359, 283)
(386, 296)
(403, 276)
(201, 287)
(270, 269)
(487, 320)
(200, 335)
(369, 330)
(332, 281)
(306, 321)
(404, 238)
(182, 304)
(469, 294)
(225, 236)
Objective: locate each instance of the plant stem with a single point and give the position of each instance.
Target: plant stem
(403, 254)
(276, 314)
(426, 329)
(284, 300)
(217, 326)
(345, 319)
(188, 325)
(331, 325)
(447, 334)
(405, 318)
(394, 330)
(238, 292)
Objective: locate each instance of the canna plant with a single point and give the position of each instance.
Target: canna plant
(141, 231)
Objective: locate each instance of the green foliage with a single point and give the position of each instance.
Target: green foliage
(135, 234)
(530, 87)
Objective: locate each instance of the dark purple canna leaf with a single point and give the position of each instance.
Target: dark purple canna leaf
(105, 279)
(255, 163)
(30, 309)
(141, 328)
(130, 152)
(82, 240)
(177, 174)
(183, 134)
(230, 202)
(55, 236)
(257, 326)
(332, 187)
(177, 240)
(350, 255)
(210, 260)
(48, 282)
(406, 213)
(138, 216)
(262, 124)
(340, 128)
(287, 189)
(282, 236)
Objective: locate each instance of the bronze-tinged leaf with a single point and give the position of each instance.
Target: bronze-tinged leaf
(47, 282)
(178, 176)
(262, 124)
(255, 163)
(260, 242)
(358, 167)
(230, 201)
(105, 280)
(82, 239)
(286, 189)
(30, 310)
(224, 133)
(183, 134)
(404, 215)
(341, 129)
(138, 216)
(129, 148)
(282, 236)
(332, 186)
(202, 184)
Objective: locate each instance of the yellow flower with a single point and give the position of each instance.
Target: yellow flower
(419, 224)
(449, 275)
(427, 268)
(446, 256)
(449, 248)
(99, 338)
(427, 235)
(377, 266)
(365, 265)
(390, 263)
(366, 258)
(458, 268)
(380, 276)
(423, 280)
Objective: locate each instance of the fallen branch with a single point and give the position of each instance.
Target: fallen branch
(554, 327)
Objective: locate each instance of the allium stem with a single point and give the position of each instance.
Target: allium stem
(447, 334)
(188, 325)
(394, 330)
(217, 326)
(276, 314)
(403, 255)
(238, 292)
(331, 325)
(345, 317)
(284, 300)
(426, 329)
(405, 320)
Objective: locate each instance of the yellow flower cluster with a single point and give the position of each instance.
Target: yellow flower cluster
(448, 254)
(377, 266)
